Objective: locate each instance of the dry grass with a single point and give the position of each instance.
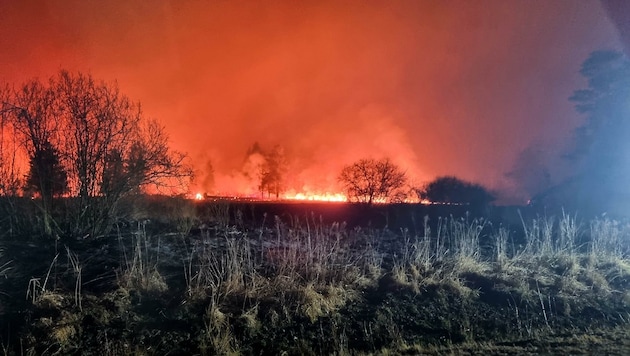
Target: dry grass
(299, 256)
(222, 272)
(217, 213)
(306, 271)
(140, 271)
(38, 290)
(184, 215)
(218, 338)
(5, 267)
(318, 302)
(441, 258)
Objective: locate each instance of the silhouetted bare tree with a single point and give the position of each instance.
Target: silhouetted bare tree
(369, 180)
(10, 176)
(31, 110)
(105, 147)
(272, 172)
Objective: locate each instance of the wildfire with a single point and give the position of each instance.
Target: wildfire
(328, 197)
(305, 196)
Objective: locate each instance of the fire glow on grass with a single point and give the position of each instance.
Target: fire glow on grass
(329, 197)
(312, 197)
(322, 197)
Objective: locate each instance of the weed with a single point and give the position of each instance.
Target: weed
(37, 290)
(141, 272)
(217, 213)
(76, 268)
(217, 338)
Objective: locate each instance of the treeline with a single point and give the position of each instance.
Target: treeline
(368, 180)
(76, 148)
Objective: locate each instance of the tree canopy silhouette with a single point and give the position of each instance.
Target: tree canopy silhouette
(452, 190)
(369, 180)
(87, 140)
(601, 149)
(272, 172)
(46, 176)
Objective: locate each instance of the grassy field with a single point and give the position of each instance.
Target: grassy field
(185, 278)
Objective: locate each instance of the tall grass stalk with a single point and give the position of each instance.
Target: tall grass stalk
(464, 237)
(501, 247)
(608, 238)
(36, 288)
(569, 231)
(222, 272)
(4, 267)
(314, 252)
(218, 338)
(427, 250)
(217, 213)
(73, 260)
(538, 237)
(141, 272)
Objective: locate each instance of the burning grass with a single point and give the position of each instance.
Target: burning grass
(299, 285)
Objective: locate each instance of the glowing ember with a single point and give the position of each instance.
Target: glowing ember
(198, 196)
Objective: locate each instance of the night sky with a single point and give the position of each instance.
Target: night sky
(475, 89)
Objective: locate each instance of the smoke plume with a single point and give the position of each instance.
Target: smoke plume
(441, 87)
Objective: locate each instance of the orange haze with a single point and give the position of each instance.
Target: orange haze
(440, 87)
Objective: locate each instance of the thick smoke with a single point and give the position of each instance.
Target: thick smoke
(440, 87)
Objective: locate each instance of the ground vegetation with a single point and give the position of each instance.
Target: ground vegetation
(221, 278)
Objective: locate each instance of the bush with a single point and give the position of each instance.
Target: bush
(452, 190)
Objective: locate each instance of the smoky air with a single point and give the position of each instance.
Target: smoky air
(440, 88)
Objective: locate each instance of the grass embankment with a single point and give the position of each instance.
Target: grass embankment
(213, 285)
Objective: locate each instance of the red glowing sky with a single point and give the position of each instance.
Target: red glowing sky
(441, 87)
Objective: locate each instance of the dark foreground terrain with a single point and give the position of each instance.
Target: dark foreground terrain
(184, 278)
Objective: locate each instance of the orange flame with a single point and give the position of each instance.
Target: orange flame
(327, 196)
